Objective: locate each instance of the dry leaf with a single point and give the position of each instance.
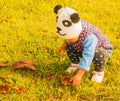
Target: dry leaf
(20, 90)
(4, 20)
(4, 63)
(24, 63)
(5, 75)
(65, 80)
(43, 48)
(48, 76)
(30, 66)
(51, 87)
(5, 88)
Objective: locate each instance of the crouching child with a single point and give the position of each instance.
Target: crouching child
(84, 44)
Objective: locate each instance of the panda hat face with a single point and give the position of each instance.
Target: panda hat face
(68, 24)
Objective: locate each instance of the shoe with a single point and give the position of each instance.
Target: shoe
(97, 76)
(72, 68)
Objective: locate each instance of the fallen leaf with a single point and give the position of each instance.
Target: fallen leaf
(48, 76)
(4, 63)
(4, 20)
(24, 63)
(51, 98)
(43, 48)
(65, 80)
(30, 66)
(18, 65)
(51, 87)
(5, 88)
(20, 90)
(5, 75)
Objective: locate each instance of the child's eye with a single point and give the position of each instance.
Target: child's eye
(66, 23)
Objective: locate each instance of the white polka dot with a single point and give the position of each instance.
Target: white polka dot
(68, 50)
(105, 59)
(101, 56)
(96, 50)
(96, 59)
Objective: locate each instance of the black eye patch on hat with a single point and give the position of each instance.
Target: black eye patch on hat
(75, 17)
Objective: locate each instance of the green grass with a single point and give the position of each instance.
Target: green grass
(29, 33)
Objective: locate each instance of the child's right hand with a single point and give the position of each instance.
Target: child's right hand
(61, 49)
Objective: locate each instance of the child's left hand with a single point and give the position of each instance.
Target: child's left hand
(76, 79)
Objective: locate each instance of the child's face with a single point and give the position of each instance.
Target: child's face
(65, 27)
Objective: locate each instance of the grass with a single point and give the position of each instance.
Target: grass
(27, 31)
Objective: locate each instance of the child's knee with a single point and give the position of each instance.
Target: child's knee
(100, 54)
(100, 59)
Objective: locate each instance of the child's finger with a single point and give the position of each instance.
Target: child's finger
(59, 51)
(71, 80)
(75, 83)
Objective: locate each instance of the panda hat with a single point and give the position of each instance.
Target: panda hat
(68, 23)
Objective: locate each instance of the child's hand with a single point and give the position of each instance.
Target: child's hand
(76, 79)
(61, 49)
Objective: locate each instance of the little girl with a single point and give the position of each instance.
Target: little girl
(84, 44)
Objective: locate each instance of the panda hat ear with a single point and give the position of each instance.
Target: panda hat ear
(57, 7)
(75, 17)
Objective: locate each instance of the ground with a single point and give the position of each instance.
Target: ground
(27, 31)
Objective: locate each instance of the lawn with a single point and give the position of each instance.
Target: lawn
(27, 32)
